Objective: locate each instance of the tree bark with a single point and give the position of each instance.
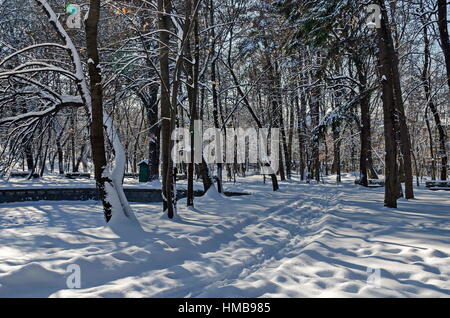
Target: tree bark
(365, 161)
(215, 96)
(443, 34)
(404, 138)
(96, 127)
(192, 72)
(432, 106)
(336, 150)
(314, 104)
(391, 178)
(166, 107)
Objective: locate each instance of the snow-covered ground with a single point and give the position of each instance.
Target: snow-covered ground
(315, 240)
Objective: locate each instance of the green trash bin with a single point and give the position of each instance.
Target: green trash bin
(144, 171)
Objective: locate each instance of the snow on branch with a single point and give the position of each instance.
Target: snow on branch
(66, 101)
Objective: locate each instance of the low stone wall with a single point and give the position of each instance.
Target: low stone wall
(86, 194)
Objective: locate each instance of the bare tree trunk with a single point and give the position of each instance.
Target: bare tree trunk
(430, 138)
(337, 150)
(314, 104)
(432, 106)
(215, 95)
(443, 34)
(391, 178)
(365, 135)
(72, 140)
(166, 107)
(405, 141)
(28, 151)
(285, 166)
(284, 140)
(59, 149)
(337, 141)
(301, 126)
(192, 72)
(205, 175)
(291, 138)
(80, 158)
(150, 101)
(44, 157)
(96, 128)
(60, 156)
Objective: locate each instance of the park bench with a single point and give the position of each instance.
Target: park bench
(438, 185)
(77, 175)
(23, 174)
(372, 183)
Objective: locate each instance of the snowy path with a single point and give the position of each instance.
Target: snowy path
(307, 240)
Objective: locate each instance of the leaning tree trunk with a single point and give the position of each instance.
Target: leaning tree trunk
(115, 204)
(109, 184)
(241, 93)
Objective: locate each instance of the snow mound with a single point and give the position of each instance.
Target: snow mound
(212, 195)
(29, 279)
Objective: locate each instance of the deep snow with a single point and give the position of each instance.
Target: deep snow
(308, 240)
